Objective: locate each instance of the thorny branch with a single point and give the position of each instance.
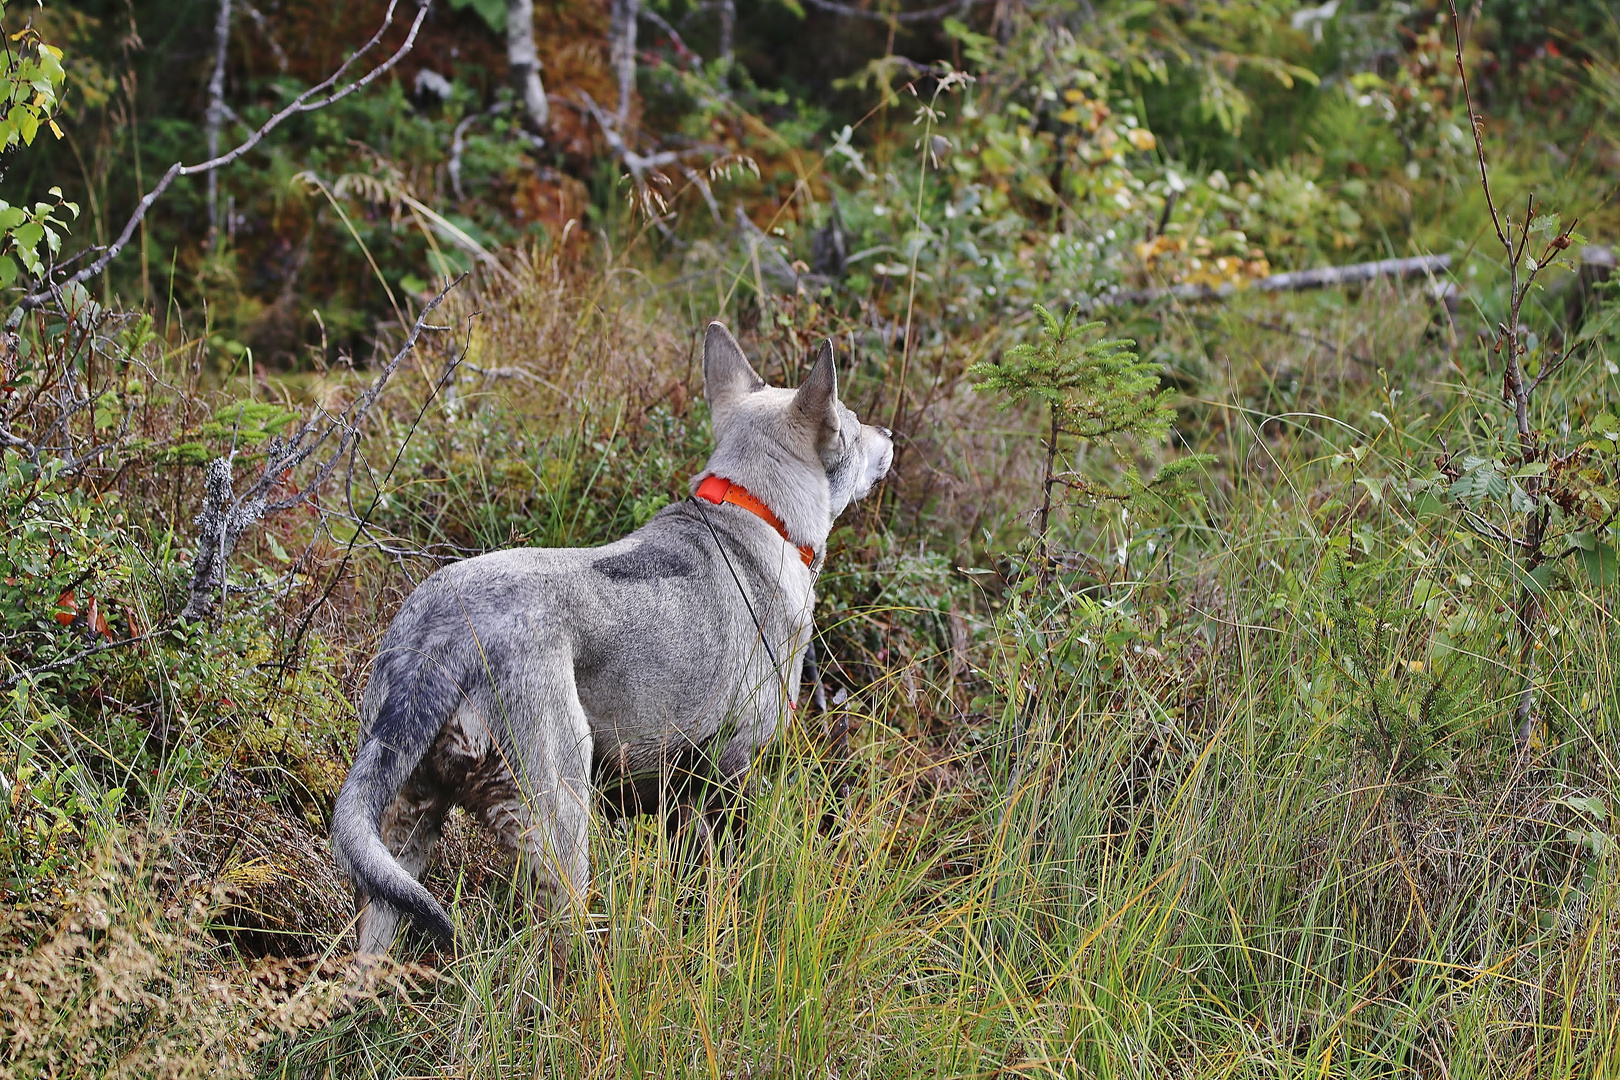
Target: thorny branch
(308, 101)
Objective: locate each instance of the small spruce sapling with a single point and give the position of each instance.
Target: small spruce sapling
(1095, 391)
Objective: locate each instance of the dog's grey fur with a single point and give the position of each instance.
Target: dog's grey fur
(517, 682)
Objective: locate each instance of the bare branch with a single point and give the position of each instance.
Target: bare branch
(1294, 281)
(84, 654)
(225, 516)
(264, 31)
(363, 521)
(670, 32)
(1476, 124)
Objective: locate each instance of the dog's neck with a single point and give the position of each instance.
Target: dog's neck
(717, 489)
(798, 497)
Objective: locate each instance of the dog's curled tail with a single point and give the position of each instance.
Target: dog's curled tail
(409, 719)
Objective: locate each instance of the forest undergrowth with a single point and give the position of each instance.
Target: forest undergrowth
(1230, 683)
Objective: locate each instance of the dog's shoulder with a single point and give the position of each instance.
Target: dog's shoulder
(648, 561)
(668, 547)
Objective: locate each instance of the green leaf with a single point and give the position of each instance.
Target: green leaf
(1601, 565)
(1481, 482)
(29, 234)
(1590, 805)
(493, 12)
(1423, 589)
(27, 124)
(1426, 503)
(8, 271)
(1537, 581)
(31, 260)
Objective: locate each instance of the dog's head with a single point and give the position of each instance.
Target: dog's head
(802, 452)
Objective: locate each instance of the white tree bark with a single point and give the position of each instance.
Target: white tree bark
(728, 30)
(523, 64)
(622, 31)
(215, 117)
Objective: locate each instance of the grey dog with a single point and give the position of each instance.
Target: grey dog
(517, 683)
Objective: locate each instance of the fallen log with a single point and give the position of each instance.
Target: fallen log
(1294, 281)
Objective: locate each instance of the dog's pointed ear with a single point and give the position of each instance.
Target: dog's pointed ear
(817, 397)
(727, 376)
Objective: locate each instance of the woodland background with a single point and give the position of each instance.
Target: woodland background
(1229, 668)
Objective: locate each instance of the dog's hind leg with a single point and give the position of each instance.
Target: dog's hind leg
(544, 811)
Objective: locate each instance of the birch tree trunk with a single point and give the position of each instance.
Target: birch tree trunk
(623, 40)
(523, 65)
(728, 29)
(214, 119)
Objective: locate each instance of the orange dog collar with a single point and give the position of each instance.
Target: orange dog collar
(718, 490)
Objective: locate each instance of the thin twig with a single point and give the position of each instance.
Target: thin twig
(83, 654)
(956, 7)
(670, 32)
(365, 519)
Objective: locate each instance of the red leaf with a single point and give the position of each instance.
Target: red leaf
(98, 621)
